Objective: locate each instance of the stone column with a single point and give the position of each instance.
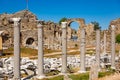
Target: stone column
(40, 52)
(104, 50)
(112, 46)
(98, 48)
(82, 51)
(64, 48)
(16, 48)
(93, 75)
(1, 47)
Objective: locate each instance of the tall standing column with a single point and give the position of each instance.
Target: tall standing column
(64, 48)
(104, 50)
(16, 48)
(40, 52)
(82, 51)
(113, 46)
(98, 48)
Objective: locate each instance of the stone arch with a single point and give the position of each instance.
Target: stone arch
(80, 21)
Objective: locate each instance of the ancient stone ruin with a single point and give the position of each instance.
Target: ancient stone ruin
(26, 30)
(28, 33)
(52, 31)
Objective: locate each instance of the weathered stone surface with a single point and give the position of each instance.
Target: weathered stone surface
(52, 31)
(116, 23)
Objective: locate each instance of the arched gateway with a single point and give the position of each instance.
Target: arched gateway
(80, 21)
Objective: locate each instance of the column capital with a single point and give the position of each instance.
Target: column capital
(112, 27)
(16, 19)
(64, 24)
(39, 25)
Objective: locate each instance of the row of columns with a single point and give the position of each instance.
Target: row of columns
(64, 49)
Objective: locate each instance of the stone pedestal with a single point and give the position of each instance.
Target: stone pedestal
(64, 48)
(82, 52)
(112, 46)
(16, 48)
(40, 52)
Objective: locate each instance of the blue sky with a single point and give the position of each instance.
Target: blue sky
(102, 11)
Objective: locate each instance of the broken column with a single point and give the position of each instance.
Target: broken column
(16, 48)
(93, 75)
(112, 46)
(40, 52)
(82, 52)
(64, 47)
(98, 48)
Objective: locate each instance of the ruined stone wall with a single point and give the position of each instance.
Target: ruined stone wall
(28, 29)
(52, 31)
(117, 25)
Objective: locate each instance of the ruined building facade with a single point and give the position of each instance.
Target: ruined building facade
(52, 31)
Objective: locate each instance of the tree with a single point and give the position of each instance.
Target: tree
(62, 20)
(118, 39)
(96, 25)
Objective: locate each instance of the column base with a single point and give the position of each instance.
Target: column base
(40, 77)
(81, 71)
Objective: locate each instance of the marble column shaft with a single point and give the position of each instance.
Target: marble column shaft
(16, 48)
(82, 51)
(112, 46)
(40, 51)
(64, 47)
(98, 47)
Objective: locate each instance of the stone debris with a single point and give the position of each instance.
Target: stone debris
(29, 67)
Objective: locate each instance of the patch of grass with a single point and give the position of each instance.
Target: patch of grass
(46, 51)
(26, 52)
(54, 78)
(107, 73)
(75, 48)
(53, 56)
(74, 53)
(52, 73)
(84, 76)
(57, 78)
